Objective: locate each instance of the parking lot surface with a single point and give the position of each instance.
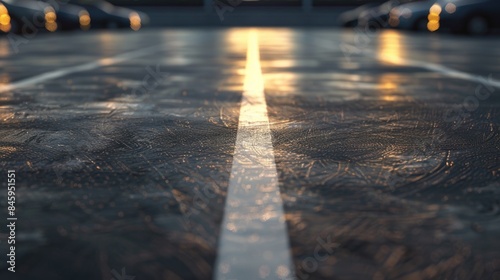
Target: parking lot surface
(383, 149)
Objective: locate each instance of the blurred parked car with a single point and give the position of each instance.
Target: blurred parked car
(464, 16)
(420, 16)
(106, 15)
(476, 17)
(27, 16)
(376, 17)
(70, 16)
(415, 16)
(5, 19)
(350, 18)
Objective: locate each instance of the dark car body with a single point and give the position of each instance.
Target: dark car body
(350, 18)
(378, 17)
(27, 16)
(475, 17)
(458, 16)
(106, 15)
(70, 16)
(417, 16)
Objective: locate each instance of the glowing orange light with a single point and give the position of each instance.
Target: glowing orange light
(51, 26)
(433, 25)
(50, 16)
(433, 17)
(135, 21)
(84, 19)
(4, 19)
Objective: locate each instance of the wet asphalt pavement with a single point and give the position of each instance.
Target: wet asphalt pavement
(388, 161)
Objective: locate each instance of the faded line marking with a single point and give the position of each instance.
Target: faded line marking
(254, 240)
(449, 72)
(79, 68)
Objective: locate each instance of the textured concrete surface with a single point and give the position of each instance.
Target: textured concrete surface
(386, 147)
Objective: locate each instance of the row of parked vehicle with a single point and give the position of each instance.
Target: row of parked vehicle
(26, 16)
(477, 17)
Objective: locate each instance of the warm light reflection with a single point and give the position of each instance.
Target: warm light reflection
(234, 43)
(387, 85)
(254, 109)
(107, 44)
(282, 82)
(4, 78)
(4, 48)
(6, 150)
(106, 61)
(235, 40)
(390, 47)
(389, 98)
(283, 41)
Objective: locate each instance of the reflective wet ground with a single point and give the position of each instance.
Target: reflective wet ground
(387, 157)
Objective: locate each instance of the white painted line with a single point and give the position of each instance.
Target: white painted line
(253, 242)
(79, 68)
(449, 72)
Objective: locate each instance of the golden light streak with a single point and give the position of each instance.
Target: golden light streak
(253, 84)
(390, 49)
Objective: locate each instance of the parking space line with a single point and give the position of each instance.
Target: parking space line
(253, 242)
(449, 72)
(79, 68)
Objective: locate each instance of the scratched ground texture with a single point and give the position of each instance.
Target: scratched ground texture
(387, 170)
